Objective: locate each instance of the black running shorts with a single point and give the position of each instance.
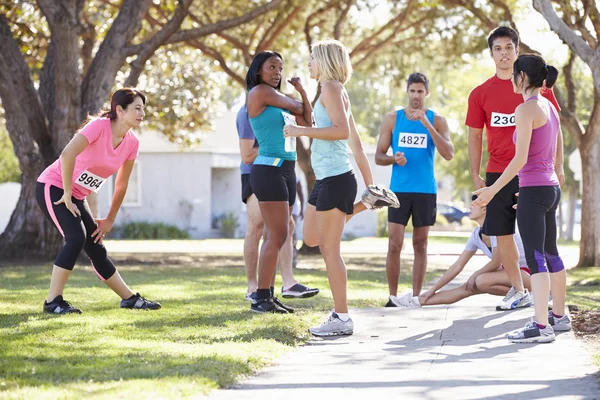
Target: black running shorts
(337, 191)
(421, 206)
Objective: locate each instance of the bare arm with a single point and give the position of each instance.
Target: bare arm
(263, 95)
(385, 140)
(332, 98)
(121, 184)
(453, 271)
(475, 153)
(248, 151)
(440, 133)
(67, 158)
(359, 153)
(524, 127)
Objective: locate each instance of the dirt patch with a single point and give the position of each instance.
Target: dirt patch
(586, 322)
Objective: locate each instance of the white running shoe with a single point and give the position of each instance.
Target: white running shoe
(530, 333)
(407, 300)
(514, 300)
(334, 326)
(376, 197)
(562, 324)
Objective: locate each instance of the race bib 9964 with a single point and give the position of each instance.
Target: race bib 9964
(90, 181)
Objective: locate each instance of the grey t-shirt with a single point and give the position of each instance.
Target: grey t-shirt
(475, 243)
(244, 130)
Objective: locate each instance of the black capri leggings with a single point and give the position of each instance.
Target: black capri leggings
(536, 216)
(77, 231)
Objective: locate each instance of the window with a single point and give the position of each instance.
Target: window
(133, 197)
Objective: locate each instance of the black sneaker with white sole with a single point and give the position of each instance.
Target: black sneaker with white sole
(263, 306)
(60, 306)
(298, 291)
(138, 302)
(281, 305)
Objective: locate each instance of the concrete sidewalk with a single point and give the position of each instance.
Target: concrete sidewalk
(441, 352)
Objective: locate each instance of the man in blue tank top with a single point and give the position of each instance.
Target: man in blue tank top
(413, 133)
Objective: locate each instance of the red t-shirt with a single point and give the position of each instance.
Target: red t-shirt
(492, 104)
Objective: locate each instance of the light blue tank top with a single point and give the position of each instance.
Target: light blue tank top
(268, 129)
(328, 157)
(413, 139)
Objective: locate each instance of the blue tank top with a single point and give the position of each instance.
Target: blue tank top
(268, 129)
(413, 139)
(328, 157)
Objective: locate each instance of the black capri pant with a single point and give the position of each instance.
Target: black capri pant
(77, 231)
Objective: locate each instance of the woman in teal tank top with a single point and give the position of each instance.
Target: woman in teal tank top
(331, 201)
(272, 176)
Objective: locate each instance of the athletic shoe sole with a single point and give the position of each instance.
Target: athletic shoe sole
(499, 308)
(336, 333)
(537, 339)
(300, 295)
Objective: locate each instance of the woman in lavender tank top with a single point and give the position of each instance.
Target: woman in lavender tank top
(538, 161)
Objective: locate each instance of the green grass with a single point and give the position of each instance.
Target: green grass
(204, 337)
(584, 287)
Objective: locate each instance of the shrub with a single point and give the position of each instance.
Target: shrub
(229, 224)
(148, 230)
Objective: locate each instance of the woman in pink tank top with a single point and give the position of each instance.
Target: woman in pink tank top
(538, 160)
(104, 146)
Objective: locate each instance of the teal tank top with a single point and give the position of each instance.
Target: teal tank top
(268, 129)
(328, 157)
(413, 139)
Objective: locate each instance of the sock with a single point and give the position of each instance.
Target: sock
(556, 315)
(415, 300)
(263, 294)
(342, 316)
(540, 326)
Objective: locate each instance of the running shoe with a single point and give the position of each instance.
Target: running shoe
(263, 306)
(298, 291)
(138, 302)
(334, 326)
(251, 296)
(531, 333)
(281, 305)
(376, 197)
(390, 303)
(407, 300)
(60, 306)
(562, 324)
(514, 300)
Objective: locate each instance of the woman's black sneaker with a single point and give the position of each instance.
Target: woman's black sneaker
(263, 306)
(281, 305)
(60, 306)
(138, 302)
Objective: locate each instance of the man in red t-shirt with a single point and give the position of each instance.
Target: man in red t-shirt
(492, 105)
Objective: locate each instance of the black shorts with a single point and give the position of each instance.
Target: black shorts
(422, 207)
(337, 191)
(246, 187)
(500, 216)
(271, 183)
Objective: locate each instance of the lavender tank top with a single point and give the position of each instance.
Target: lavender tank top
(539, 169)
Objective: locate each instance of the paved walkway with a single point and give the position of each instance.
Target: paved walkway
(442, 352)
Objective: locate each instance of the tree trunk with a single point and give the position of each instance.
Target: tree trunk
(590, 214)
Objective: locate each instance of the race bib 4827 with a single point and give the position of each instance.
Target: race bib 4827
(502, 120)
(416, 140)
(90, 181)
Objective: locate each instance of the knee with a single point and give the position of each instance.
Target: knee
(103, 266)
(420, 245)
(329, 251)
(75, 240)
(310, 238)
(278, 237)
(481, 285)
(394, 246)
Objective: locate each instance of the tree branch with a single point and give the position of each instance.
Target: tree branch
(26, 125)
(268, 43)
(215, 55)
(337, 28)
(151, 45)
(575, 42)
(110, 57)
(63, 20)
(206, 30)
